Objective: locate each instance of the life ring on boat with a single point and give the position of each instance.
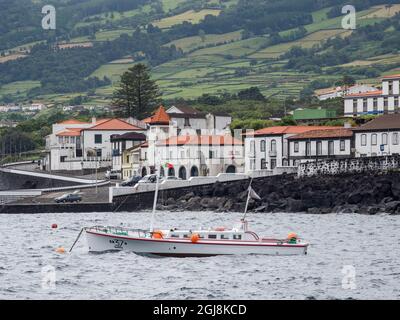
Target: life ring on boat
(157, 235)
(219, 229)
(195, 237)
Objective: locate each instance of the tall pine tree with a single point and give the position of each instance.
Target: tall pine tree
(137, 94)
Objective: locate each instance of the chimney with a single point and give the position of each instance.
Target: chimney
(347, 125)
(94, 120)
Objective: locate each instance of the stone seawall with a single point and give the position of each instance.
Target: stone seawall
(348, 193)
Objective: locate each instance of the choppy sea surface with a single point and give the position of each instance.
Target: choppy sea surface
(351, 256)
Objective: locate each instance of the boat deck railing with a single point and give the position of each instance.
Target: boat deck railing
(122, 231)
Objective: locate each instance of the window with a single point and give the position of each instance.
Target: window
(384, 138)
(396, 103)
(308, 148)
(212, 236)
(342, 145)
(390, 87)
(319, 148)
(363, 139)
(395, 138)
(252, 146)
(99, 152)
(374, 139)
(375, 104)
(355, 105)
(263, 164)
(98, 138)
(187, 122)
(63, 158)
(365, 105)
(296, 147)
(262, 145)
(385, 103)
(273, 146)
(331, 148)
(225, 236)
(237, 236)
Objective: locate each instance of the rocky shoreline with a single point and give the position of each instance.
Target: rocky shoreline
(364, 193)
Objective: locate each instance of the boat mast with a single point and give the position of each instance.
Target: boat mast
(247, 202)
(156, 169)
(154, 204)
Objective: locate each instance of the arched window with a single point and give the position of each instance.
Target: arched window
(384, 138)
(363, 139)
(273, 146)
(374, 139)
(395, 138)
(194, 172)
(262, 145)
(182, 173)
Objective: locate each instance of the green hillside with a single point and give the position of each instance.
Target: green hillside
(196, 47)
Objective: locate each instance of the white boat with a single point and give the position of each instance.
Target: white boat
(190, 243)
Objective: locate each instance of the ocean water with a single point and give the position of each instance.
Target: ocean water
(351, 257)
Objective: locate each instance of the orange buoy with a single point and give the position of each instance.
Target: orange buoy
(195, 237)
(60, 250)
(54, 226)
(158, 235)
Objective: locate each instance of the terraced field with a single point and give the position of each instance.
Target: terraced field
(192, 43)
(189, 16)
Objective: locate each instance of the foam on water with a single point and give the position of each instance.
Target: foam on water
(368, 243)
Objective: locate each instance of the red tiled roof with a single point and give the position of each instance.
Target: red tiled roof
(200, 140)
(280, 130)
(321, 134)
(393, 76)
(70, 132)
(113, 124)
(160, 117)
(365, 94)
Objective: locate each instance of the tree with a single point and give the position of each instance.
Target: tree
(202, 35)
(137, 94)
(252, 93)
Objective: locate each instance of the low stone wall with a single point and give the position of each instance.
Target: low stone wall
(349, 165)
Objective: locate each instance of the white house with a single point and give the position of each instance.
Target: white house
(75, 145)
(379, 137)
(321, 144)
(268, 148)
(337, 92)
(181, 137)
(376, 102)
(200, 155)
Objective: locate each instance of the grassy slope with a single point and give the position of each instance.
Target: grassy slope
(224, 62)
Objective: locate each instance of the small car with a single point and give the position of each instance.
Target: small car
(151, 178)
(113, 174)
(69, 197)
(131, 181)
